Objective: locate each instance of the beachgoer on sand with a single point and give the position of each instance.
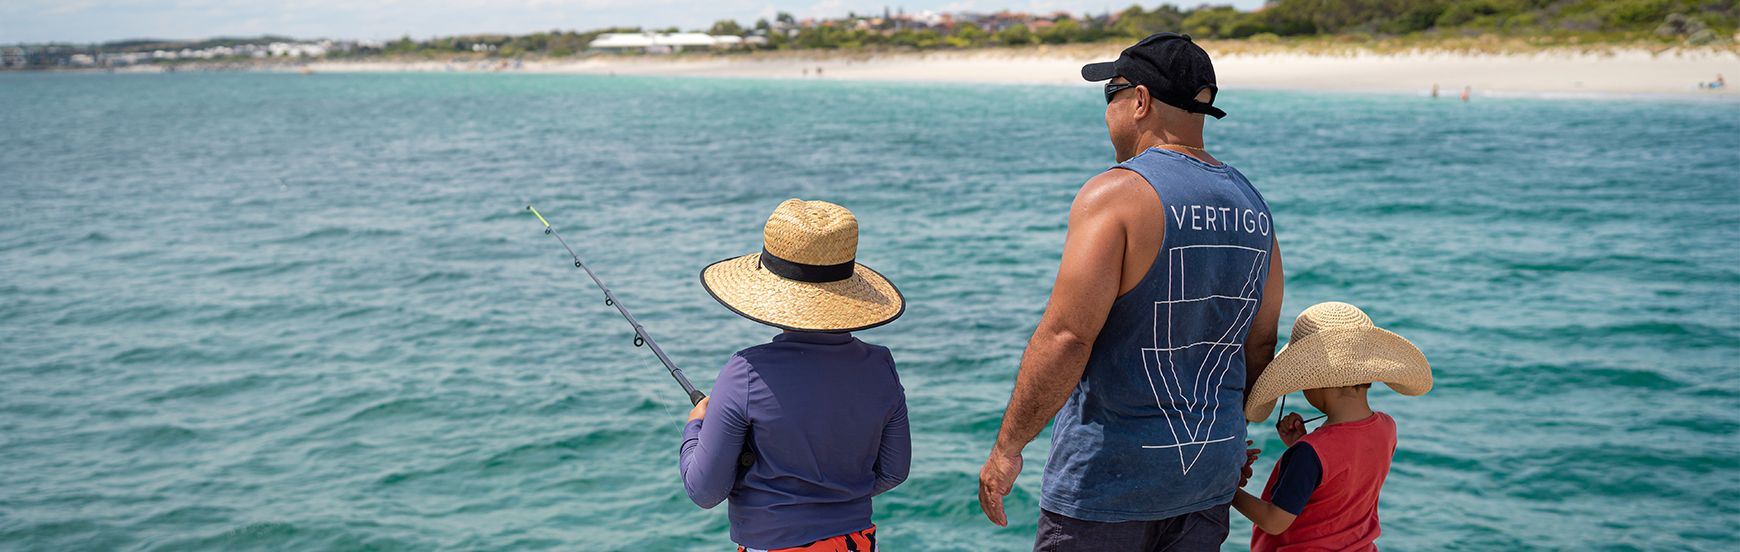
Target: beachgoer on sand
(1163, 311)
(809, 426)
(1323, 494)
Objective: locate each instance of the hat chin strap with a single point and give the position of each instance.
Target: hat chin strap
(815, 274)
(1282, 411)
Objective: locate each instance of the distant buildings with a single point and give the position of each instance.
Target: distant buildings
(661, 43)
(921, 29)
(12, 57)
(286, 49)
(111, 55)
(28, 57)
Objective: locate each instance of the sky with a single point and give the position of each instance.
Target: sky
(86, 21)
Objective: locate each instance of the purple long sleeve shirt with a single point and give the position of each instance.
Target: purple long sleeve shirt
(826, 418)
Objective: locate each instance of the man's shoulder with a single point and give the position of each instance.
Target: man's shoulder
(1115, 187)
(1116, 176)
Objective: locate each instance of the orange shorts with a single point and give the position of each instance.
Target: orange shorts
(861, 541)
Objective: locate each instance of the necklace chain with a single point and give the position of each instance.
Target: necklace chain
(1182, 146)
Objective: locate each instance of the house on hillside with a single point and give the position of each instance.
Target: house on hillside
(661, 43)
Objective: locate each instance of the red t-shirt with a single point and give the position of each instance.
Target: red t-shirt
(1342, 513)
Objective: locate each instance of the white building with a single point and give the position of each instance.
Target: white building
(281, 49)
(660, 43)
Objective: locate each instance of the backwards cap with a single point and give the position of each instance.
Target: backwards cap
(1173, 68)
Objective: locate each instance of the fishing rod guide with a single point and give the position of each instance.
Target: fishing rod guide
(640, 336)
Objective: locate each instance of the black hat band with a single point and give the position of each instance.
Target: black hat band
(815, 274)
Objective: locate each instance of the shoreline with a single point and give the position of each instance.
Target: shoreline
(1625, 72)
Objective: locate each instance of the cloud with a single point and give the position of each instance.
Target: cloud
(827, 6)
(768, 12)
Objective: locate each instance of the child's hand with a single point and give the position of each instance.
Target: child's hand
(1250, 458)
(699, 411)
(1291, 428)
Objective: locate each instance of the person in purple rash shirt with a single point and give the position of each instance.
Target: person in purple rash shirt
(800, 432)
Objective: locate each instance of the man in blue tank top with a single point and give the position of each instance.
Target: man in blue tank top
(1163, 313)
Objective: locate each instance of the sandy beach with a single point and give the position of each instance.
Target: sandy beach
(1548, 72)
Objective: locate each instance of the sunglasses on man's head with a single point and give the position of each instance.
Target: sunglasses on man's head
(1113, 88)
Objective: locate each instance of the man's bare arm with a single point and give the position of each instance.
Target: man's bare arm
(1086, 287)
(1260, 344)
(1087, 284)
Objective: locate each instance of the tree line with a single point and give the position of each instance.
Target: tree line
(1706, 21)
(1694, 21)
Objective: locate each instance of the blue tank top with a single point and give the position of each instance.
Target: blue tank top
(1156, 427)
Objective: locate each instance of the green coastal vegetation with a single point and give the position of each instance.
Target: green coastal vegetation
(1389, 23)
(1308, 25)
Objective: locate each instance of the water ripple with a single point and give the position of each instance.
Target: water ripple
(312, 313)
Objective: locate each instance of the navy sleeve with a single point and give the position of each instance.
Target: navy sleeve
(708, 457)
(1300, 471)
(894, 459)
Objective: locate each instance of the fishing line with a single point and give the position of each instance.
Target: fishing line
(664, 403)
(640, 335)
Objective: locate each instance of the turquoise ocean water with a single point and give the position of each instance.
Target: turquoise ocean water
(284, 312)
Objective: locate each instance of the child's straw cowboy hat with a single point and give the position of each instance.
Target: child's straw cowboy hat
(1335, 345)
(805, 277)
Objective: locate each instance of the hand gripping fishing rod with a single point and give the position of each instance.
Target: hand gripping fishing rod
(640, 335)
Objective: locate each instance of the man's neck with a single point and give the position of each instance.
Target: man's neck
(1187, 145)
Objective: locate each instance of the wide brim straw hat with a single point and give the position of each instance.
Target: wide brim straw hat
(1335, 345)
(806, 277)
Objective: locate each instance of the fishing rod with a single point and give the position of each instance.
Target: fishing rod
(640, 335)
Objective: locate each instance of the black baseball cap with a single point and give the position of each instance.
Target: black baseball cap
(1172, 67)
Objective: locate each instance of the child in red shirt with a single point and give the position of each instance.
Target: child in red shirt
(1323, 494)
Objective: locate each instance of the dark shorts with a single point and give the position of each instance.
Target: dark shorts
(1202, 531)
